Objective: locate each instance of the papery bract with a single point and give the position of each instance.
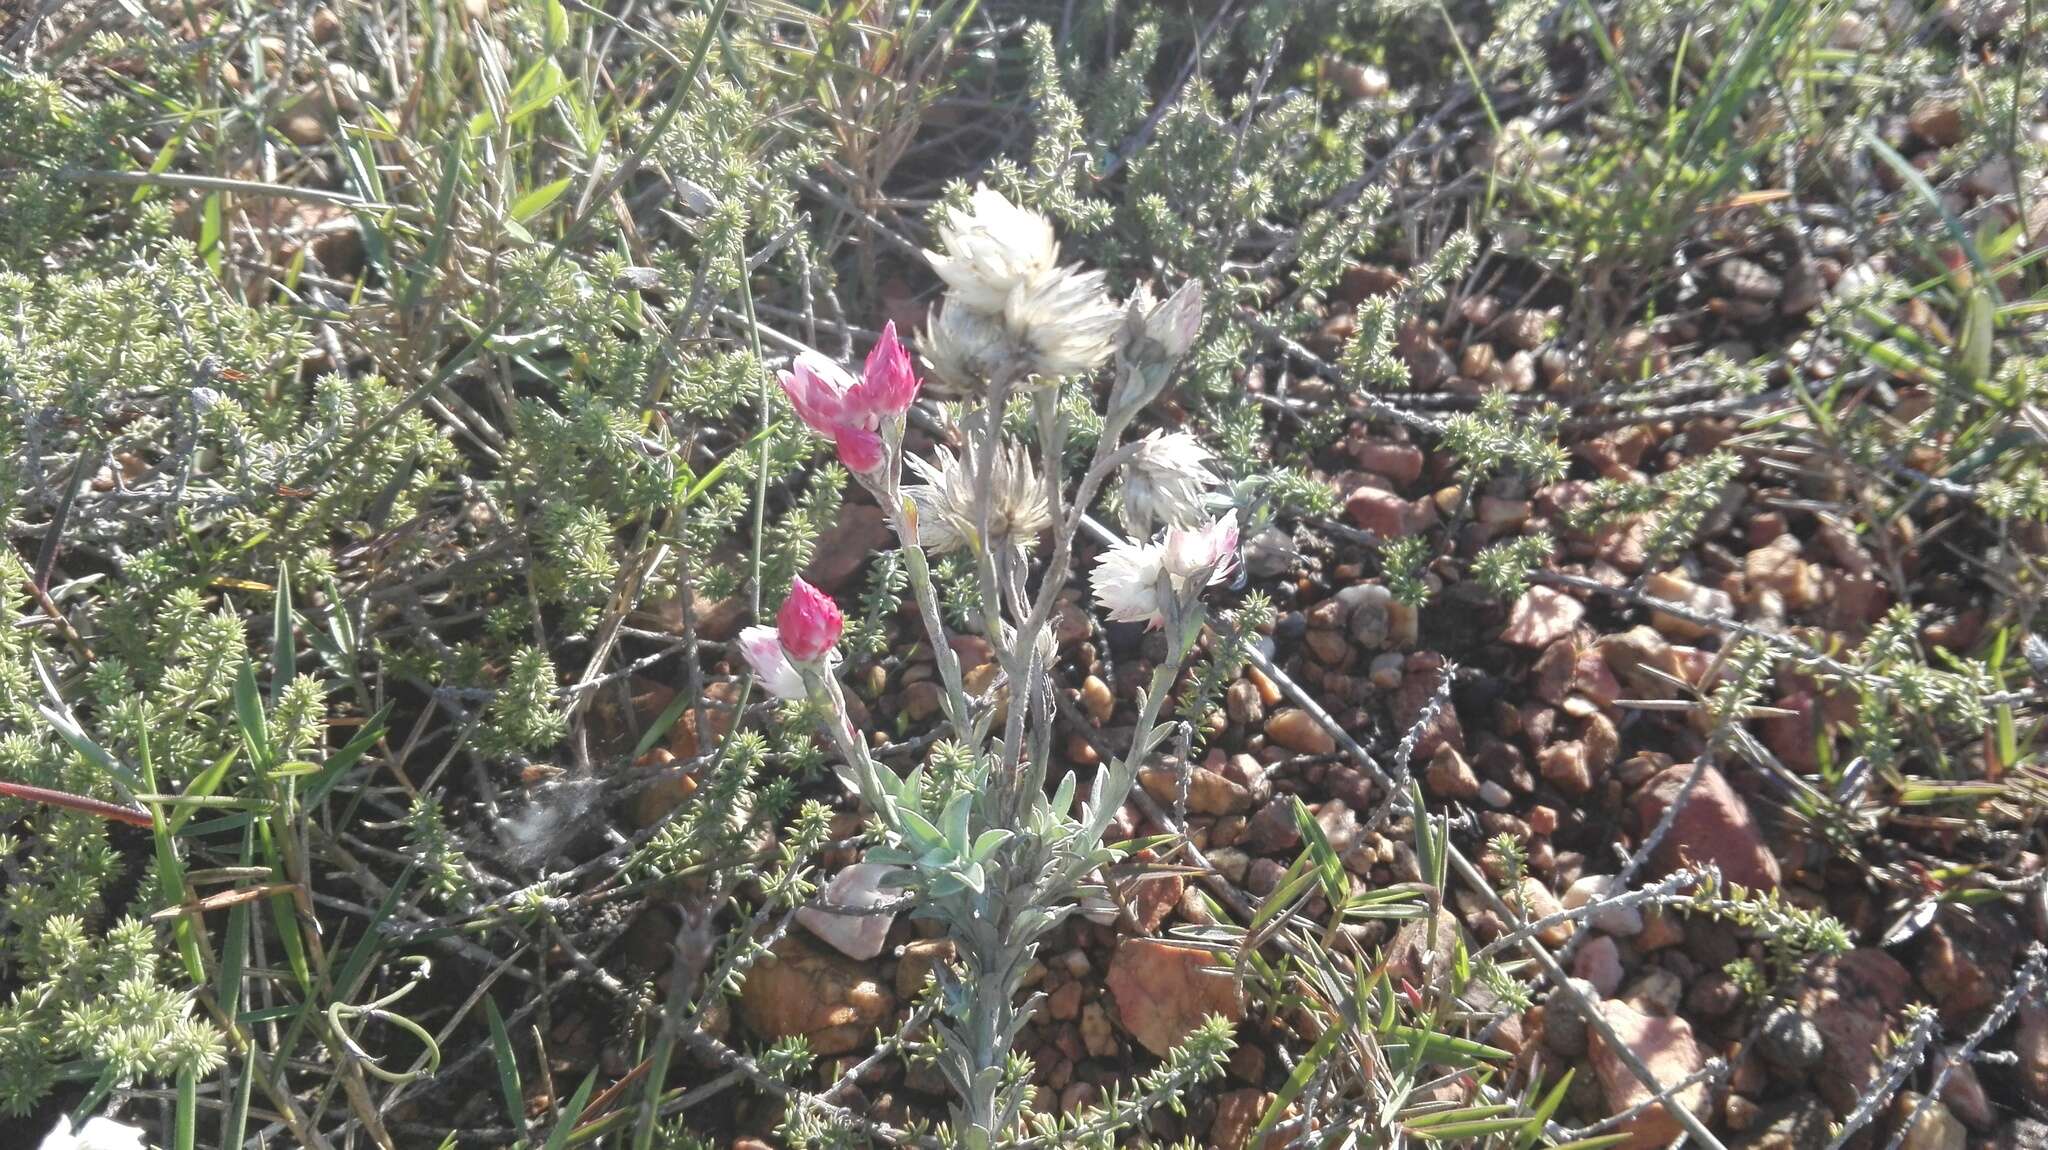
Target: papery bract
(96, 1134)
(809, 623)
(762, 649)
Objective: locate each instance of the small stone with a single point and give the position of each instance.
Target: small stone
(1635, 656)
(1965, 1097)
(1385, 671)
(1937, 120)
(1400, 462)
(1370, 621)
(1272, 828)
(922, 700)
(919, 959)
(1298, 731)
(1713, 827)
(1230, 862)
(1715, 995)
(1674, 588)
(1564, 1027)
(1933, 1127)
(2030, 1043)
(1270, 554)
(1542, 616)
(1666, 1047)
(1749, 279)
(1241, 703)
(1329, 647)
(1096, 1033)
(1599, 962)
(1661, 928)
(1208, 792)
(1421, 677)
(1780, 567)
(1421, 948)
(1238, 1114)
(1854, 1000)
(1789, 1040)
(1097, 701)
(1563, 765)
(1263, 877)
(1538, 903)
(1657, 992)
(1164, 990)
(803, 989)
(1494, 795)
(1621, 922)
(856, 534)
(1449, 776)
(1064, 1004)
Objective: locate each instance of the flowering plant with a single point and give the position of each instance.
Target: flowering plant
(992, 856)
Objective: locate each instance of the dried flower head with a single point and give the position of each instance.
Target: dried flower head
(945, 501)
(965, 347)
(1140, 582)
(1167, 481)
(1063, 322)
(991, 249)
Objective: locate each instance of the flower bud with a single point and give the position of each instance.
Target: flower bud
(808, 623)
(888, 385)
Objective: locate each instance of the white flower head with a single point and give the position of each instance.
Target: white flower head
(965, 347)
(945, 501)
(96, 1134)
(1140, 582)
(1064, 320)
(991, 249)
(1167, 481)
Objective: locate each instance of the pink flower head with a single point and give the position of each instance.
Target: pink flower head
(848, 411)
(762, 648)
(1190, 551)
(808, 623)
(888, 385)
(821, 392)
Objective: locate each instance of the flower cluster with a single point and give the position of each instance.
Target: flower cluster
(1012, 312)
(1153, 582)
(862, 417)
